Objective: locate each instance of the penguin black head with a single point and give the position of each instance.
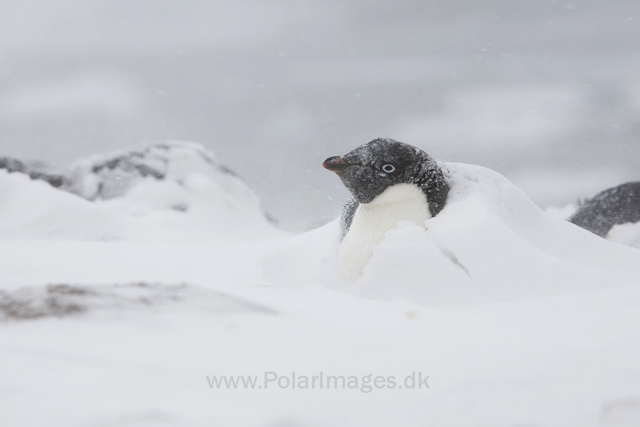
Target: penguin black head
(371, 168)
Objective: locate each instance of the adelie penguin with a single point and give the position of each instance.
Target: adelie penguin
(614, 206)
(390, 182)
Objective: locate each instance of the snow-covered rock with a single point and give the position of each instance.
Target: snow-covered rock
(34, 170)
(63, 300)
(613, 214)
(613, 206)
(170, 191)
(115, 174)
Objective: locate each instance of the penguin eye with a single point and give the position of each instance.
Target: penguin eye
(388, 168)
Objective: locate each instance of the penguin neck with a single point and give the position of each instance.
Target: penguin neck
(371, 221)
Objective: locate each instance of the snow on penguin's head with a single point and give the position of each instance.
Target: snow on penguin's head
(371, 168)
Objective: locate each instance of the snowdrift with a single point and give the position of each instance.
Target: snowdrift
(174, 191)
(489, 243)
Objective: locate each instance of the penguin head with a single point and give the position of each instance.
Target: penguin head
(373, 167)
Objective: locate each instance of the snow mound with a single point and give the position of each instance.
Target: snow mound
(174, 191)
(489, 243)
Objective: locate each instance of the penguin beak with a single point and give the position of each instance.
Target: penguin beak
(335, 164)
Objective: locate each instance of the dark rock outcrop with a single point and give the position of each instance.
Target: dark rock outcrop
(614, 206)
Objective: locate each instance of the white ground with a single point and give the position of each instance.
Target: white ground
(535, 324)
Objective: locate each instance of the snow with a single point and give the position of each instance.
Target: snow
(626, 234)
(517, 317)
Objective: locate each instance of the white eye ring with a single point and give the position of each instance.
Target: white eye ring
(388, 168)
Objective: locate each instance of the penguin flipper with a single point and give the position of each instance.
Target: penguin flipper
(348, 212)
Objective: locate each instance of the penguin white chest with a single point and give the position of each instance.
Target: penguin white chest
(371, 221)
